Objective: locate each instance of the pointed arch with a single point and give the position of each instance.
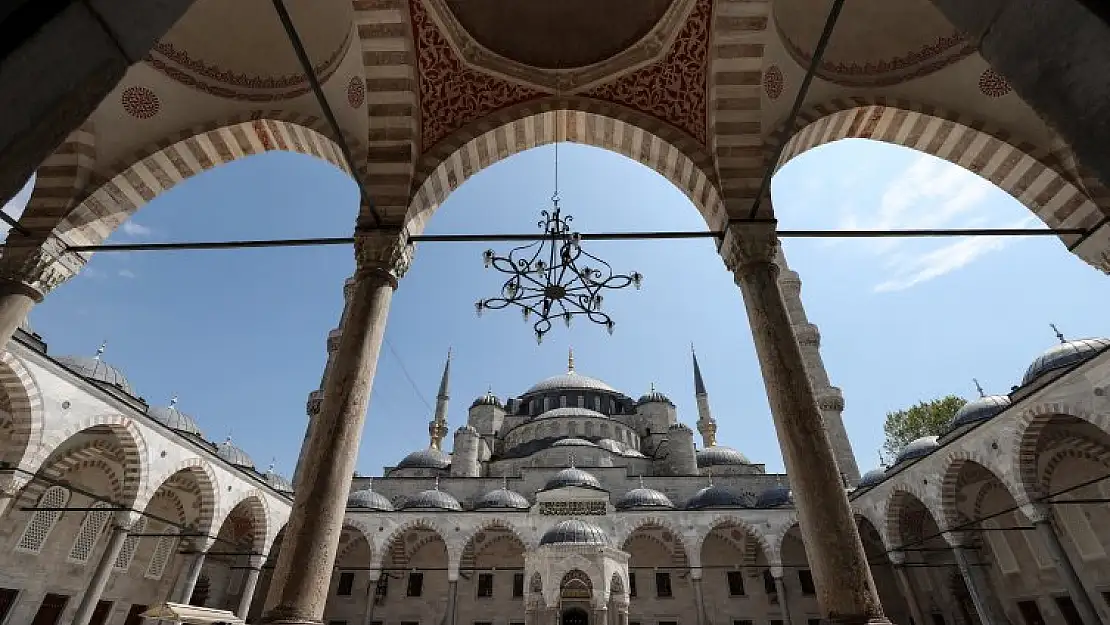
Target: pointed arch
(502, 524)
(60, 179)
(24, 407)
(951, 473)
(751, 532)
(208, 496)
(1027, 433)
(398, 532)
(255, 504)
(627, 532)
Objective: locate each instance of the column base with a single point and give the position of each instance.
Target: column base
(857, 620)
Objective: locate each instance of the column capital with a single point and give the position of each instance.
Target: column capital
(11, 483)
(753, 243)
(695, 573)
(1037, 512)
(385, 253)
(37, 266)
(374, 574)
(776, 571)
(897, 557)
(957, 539)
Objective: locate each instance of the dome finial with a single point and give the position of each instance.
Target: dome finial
(641, 480)
(710, 474)
(437, 482)
(100, 350)
(370, 484)
(570, 360)
(1059, 335)
(571, 460)
(173, 401)
(273, 465)
(652, 387)
(505, 482)
(979, 387)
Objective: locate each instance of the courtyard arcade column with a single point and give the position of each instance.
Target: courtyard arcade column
(371, 595)
(1041, 516)
(898, 559)
(976, 585)
(29, 269)
(99, 580)
(248, 586)
(846, 591)
(784, 600)
(699, 595)
(302, 576)
(193, 567)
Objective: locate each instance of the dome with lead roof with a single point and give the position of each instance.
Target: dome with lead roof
(917, 449)
(775, 497)
(97, 369)
(429, 458)
(573, 442)
(719, 455)
(367, 499)
(718, 497)
(575, 531)
(174, 419)
(233, 455)
(277, 481)
(979, 409)
(489, 399)
(572, 477)
(871, 478)
(431, 500)
(1065, 354)
(570, 412)
(502, 499)
(643, 498)
(569, 381)
(654, 397)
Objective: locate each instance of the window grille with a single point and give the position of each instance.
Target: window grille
(130, 546)
(43, 521)
(162, 551)
(91, 529)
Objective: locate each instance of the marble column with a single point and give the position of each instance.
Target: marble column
(1050, 540)
(99, 580)
(371, 596)
(302, 576)
(846, 592)
(975, 587)
(249, 584)
(452, 596)
(29, 269)
(909, 591)
(192, 574)
(784, 599)
(699, 596)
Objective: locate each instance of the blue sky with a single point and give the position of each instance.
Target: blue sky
(240, 335)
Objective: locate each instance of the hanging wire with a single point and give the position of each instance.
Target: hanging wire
(405, 371)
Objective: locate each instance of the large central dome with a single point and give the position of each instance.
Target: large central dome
(571, 380)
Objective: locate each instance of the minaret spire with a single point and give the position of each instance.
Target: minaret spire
(437, 427)
(707, 425)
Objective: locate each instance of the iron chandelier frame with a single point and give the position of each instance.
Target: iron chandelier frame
(553, 277)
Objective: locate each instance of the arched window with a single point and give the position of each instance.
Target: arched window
(91, 529)
(562, 401)
(597, 403)
(43, 521)
(546, 404)
(130, 545)
(162, 551)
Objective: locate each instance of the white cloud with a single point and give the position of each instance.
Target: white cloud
(134, 229)
(126, 273)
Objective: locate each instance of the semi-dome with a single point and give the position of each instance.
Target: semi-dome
(233, 455)
(429, 458)
(97, 369)
(571, 411)
(917, 449)
(431, 500)
(574, 531)
(367, 499)
(571, 380)
(572, 477)
(718, 497)
(979, 409)
(489, 399)
(502, 499)
(1064, 355)
(573, 442)
(174, 419)
(277, 481)
(871, 478)
(644, 498)
(719, 455)
(774, 497)
(611, 445)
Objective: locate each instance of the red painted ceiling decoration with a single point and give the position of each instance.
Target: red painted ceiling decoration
(451, 94)
(674, 88)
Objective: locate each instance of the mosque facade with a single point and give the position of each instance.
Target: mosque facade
(570, 503)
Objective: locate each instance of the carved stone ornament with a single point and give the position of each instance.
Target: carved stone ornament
(384, 252)
(750, 244)
(572, 508)
(807, 334)
(831, 399)
(315, 400)
(39, 266)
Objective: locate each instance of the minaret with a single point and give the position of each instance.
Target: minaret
(707, 425)
(830, 399)
(437, 427)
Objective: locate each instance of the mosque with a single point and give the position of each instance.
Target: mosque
(570, 503)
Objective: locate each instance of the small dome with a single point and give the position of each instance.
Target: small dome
(96, 369)
(425, 459)
(233, 455)
(979, 409)
(174, 419)
(774, 497)
(917, 449)
(573, 442)
(871, 478)
(489, 399)
(503, 499)
(654, 397)
(718, 497)
(369, 500)
(431, 500)
(720, 456)
(572, 477)
(569, 381)
(574, 531)
(1064, 355)
(644, 498)
(559, 413)
(277, 482)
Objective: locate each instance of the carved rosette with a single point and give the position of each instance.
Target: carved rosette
(748, 245)
(807, 334)
(383, 253)
(40, 267)
(831, 399)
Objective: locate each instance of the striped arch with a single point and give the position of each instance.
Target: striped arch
(869, 517)
(254, 501)
(950, 483)
(750, 556)
(625, 533)
(900, 495)
(60, 179)
(1076, 447)
(118, 193)
(735, 92)
(499, 524)
(1031, 425)
(1019, 168)
(361, 531)
(385, 548)
(390, 66)
(208, 490)
(24, 406)
(666, 150)
(135, 461)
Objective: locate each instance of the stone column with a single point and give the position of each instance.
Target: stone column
(1050, 540)
(371, 596)
(452, 594)
(192, 574)
(29, 269)
(99, 580)
(975, 587)
(699, 596)
(600, 615)
(304, 567)
(846, 591)
(248, 587)
(908, 589)
(784, 599)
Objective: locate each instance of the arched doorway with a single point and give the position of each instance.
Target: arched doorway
(574, 616)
